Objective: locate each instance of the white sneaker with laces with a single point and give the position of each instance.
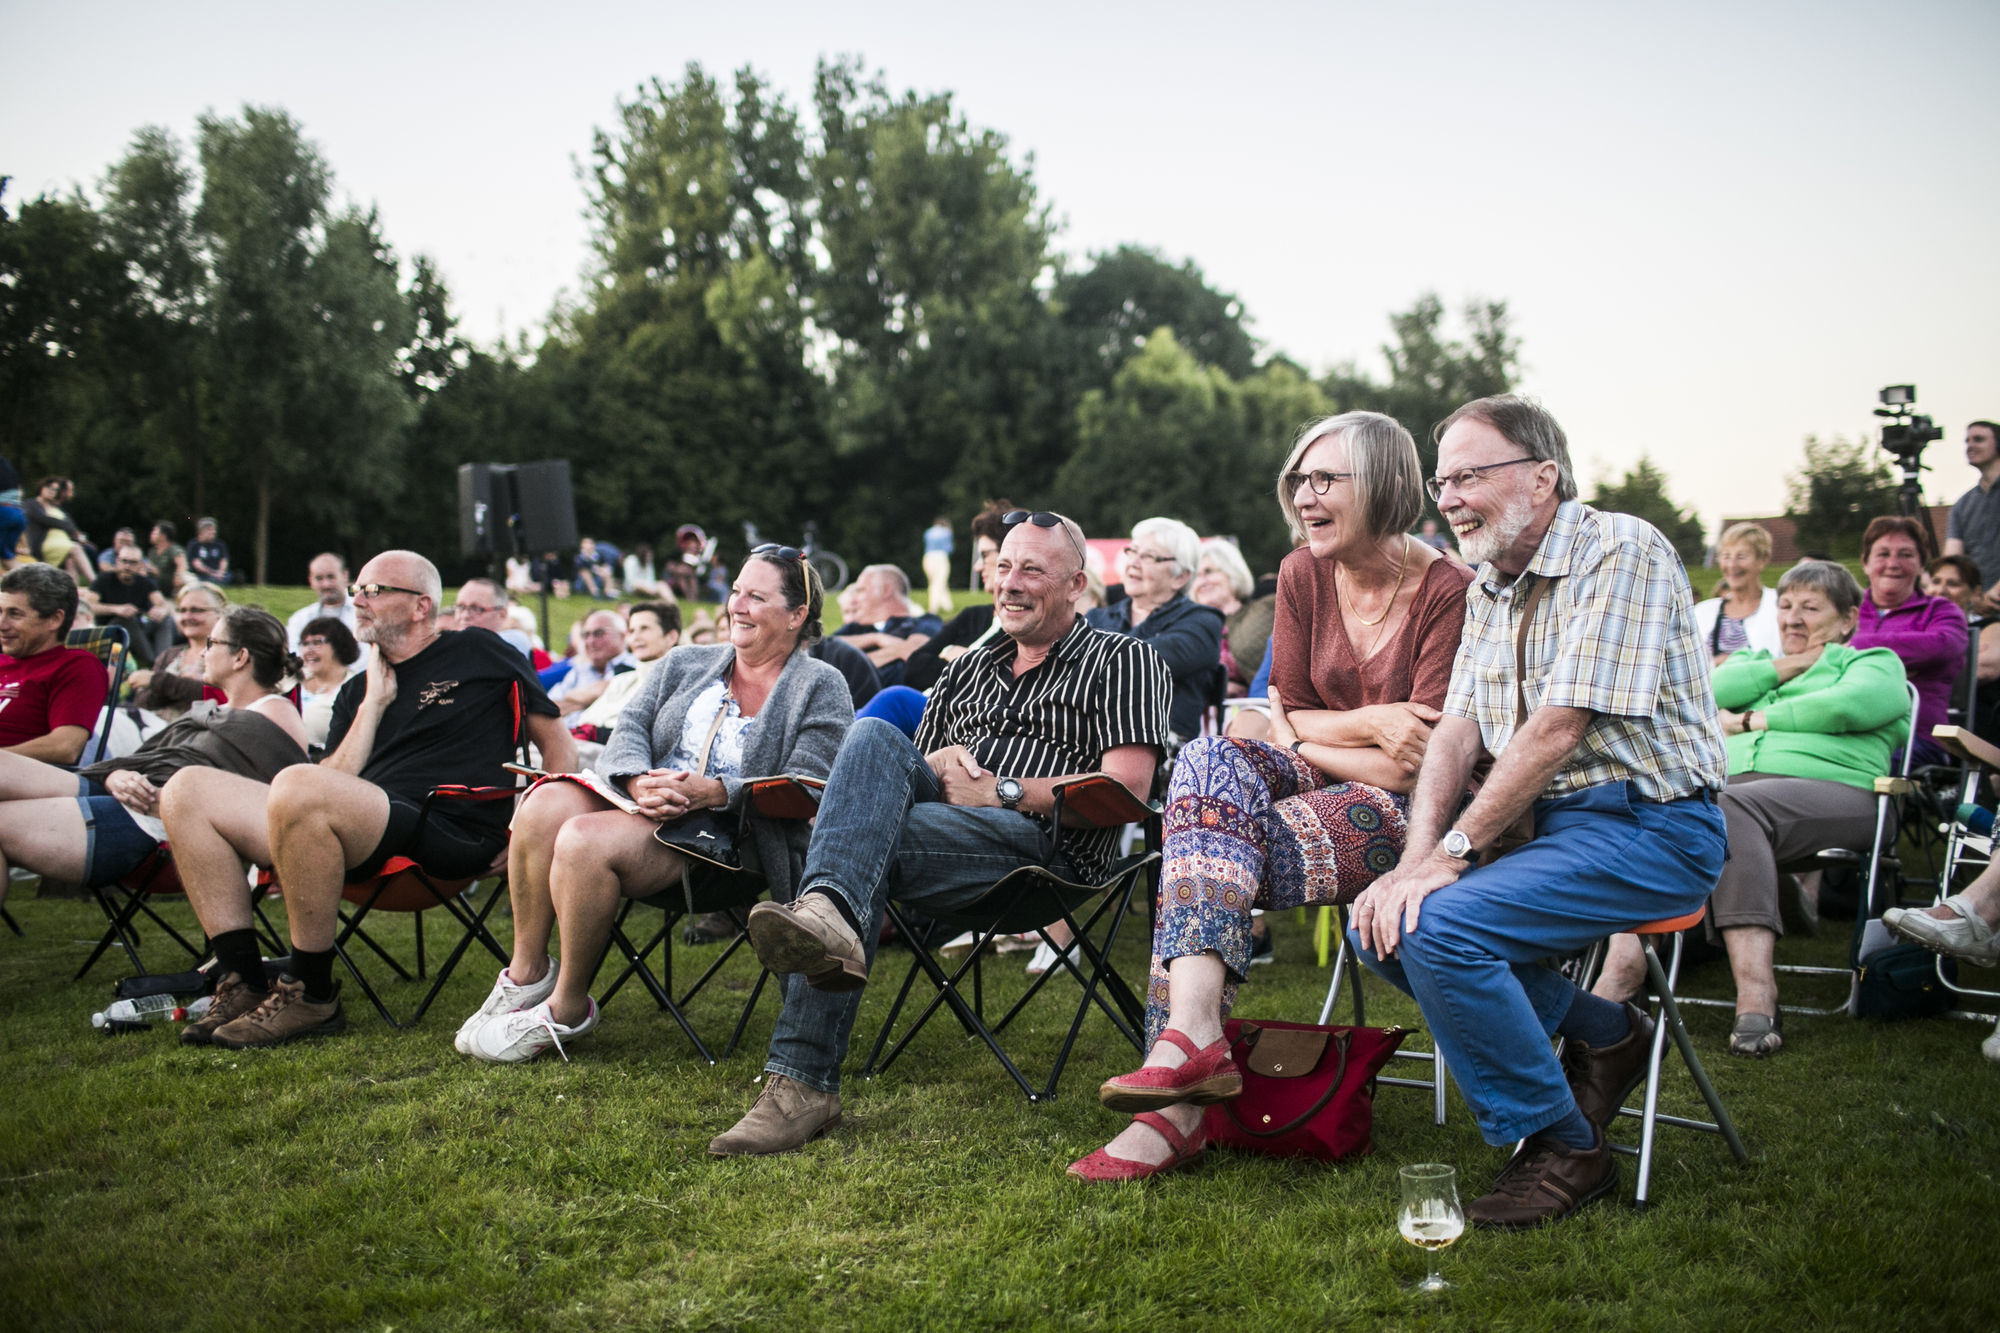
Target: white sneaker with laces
(505, 998)
(526, 1033)
(1045, 958)
(1990, 1048)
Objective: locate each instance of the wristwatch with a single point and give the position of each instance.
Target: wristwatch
(1294, 746)
(1009, 791)
(1456, 845)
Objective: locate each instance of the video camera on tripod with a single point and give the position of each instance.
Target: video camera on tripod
(1905, 434)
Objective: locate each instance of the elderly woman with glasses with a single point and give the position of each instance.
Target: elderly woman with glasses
(94, 825)
(1157, 566)
(1367, 626)
(704, 723)
(178, 678)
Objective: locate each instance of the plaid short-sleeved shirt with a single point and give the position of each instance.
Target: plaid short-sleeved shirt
(1615, 634)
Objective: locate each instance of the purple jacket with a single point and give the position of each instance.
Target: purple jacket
(1930, 635)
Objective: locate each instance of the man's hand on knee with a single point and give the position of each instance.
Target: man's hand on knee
(1389, 909)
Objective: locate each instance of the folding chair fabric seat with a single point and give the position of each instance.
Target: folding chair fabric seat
(1034, 898)
(129, 898)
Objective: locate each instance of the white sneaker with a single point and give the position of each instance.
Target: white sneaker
(959, 943)
(505, 998)
(1045, 958)
(1990, 1048)
(526, 1033)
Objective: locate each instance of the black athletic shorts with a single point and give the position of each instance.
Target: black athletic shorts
(447, 848)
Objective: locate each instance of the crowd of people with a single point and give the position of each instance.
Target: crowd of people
(1495, 748)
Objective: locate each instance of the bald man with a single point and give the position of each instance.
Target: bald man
(434, 707)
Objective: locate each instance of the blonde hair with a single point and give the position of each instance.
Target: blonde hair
(1753, 535)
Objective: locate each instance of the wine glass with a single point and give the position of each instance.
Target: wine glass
(1431, 1218)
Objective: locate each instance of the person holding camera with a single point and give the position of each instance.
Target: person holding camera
(1974, 528)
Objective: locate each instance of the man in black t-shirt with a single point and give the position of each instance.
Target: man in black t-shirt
(208, 554)
(128, 596)
(435, 708)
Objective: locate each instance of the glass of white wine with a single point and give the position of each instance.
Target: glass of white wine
(1431, 1218)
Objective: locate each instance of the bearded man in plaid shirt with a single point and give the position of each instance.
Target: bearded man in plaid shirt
(1620, 760)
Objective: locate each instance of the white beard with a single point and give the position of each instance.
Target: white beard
(1495, 536)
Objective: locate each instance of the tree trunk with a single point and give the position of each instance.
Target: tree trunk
(263, 538)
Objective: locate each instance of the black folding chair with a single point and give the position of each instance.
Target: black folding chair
(132, 897)
(112, 646)
(1034, 898)
(783, 797)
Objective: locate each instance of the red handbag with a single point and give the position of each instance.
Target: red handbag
(1308, 1091)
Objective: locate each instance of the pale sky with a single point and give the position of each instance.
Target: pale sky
(1720, 227)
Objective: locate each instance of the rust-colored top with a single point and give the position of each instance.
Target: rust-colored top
(1313, 664)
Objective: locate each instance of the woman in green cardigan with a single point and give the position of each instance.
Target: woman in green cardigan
(1808, 731)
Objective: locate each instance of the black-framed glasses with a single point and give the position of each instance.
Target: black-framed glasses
(1042, 518)
(1134, 553)
(782, 552)
(215, 640)
(1319, 479)
(1467, 477)
(371, 590)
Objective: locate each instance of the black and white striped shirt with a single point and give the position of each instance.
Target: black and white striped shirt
(1094, 692)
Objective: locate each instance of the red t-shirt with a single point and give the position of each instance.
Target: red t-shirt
(62, 687)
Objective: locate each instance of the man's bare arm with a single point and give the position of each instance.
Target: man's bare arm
(1522, 773)
(64, 745)
(552, 739)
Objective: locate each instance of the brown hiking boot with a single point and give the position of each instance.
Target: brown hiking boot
(233, 999)
(809, 935)
(285, 1015)
(786, 1116)
(1543, 1182)
(1602, 1078)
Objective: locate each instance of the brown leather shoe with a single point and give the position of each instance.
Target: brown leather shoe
(284, 1015)
(1601, 1079)
(1543, 1182)
(232, 1000)
(809, 935)
(786, 1116)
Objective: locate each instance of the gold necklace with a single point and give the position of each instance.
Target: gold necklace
(1402, 568)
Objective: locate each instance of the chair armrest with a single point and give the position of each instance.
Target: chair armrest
(1894, 786)
(1101, 800)
(786, 797)
(1961, 742)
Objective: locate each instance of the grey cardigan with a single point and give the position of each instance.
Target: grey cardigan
(798, 732)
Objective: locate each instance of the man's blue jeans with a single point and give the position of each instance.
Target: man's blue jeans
(1602, 861)
(884, 831)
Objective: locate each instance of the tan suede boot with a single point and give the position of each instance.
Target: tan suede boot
(786, 1116)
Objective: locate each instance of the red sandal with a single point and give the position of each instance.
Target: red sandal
(1208, 1075)
(1101, 1167)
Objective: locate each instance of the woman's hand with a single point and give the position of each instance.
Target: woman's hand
(1793, 665)
(140, 679)
(1403, 731)
(133, 791)
(1733, 724)
(1281, 726)
(663, 794)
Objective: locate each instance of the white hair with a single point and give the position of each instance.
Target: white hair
(1180, 540)
(1230, 562)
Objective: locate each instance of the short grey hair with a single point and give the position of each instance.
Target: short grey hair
(1526, 423)
(49, 590)
(493, 587)
(218, 600)
(899, 582)
(1181, 541)
(1824, 576)
(1230, 562)
(1388, 478)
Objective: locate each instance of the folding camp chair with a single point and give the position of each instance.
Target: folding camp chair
(131, 897)
(1965, 850)
(1343, 961)
(784, 797)
(113, 647)
(1034, 898)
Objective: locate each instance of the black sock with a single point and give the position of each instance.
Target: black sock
(1595, 1021)
(237, 951)
(315, 969)
(840, 901)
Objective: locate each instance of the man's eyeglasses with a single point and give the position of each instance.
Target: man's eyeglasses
(1042, 518)
(1319, 479)
(781, 552)
(1134, 553)
(1468, 477)
(599, 633)
(371, 590)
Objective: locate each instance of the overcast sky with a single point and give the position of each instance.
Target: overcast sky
(1720, 228)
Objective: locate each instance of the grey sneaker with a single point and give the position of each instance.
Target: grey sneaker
(505, 998)
(1967, 936)
(809, 935)
(786, 1116)
(285, 1015)
(232, 1000)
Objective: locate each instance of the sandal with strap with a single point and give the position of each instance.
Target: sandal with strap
(1101, 1167)
(1208, 1075)
(1756, 1035)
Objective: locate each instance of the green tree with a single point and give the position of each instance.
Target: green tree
(1642, 492)
(1115, 304)
(1842, 485)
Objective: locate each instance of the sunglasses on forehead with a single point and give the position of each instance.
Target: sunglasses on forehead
(781, 552)
(1041, 518)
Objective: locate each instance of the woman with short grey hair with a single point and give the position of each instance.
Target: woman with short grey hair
(1157, 566)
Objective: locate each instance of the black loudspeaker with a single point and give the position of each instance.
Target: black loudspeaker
(485, 504)
(544, 508)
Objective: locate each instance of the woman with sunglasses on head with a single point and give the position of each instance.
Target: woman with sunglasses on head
(93, 825)
(1367, 626)
(177, 678)
(1157, 566)
(708, 720)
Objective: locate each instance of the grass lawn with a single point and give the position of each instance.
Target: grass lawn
(379, 1180)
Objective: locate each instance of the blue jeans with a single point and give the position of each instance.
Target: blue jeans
(1602, 861)
(884, 831)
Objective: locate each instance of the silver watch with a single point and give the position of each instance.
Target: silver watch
(1456, 845)
(1009, 792)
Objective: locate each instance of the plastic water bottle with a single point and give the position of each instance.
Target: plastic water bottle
(141, 1011)
(1977, 819)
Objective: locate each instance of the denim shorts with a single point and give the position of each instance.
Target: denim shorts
(113, 843)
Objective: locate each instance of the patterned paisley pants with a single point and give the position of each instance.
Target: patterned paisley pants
(1254, 825)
